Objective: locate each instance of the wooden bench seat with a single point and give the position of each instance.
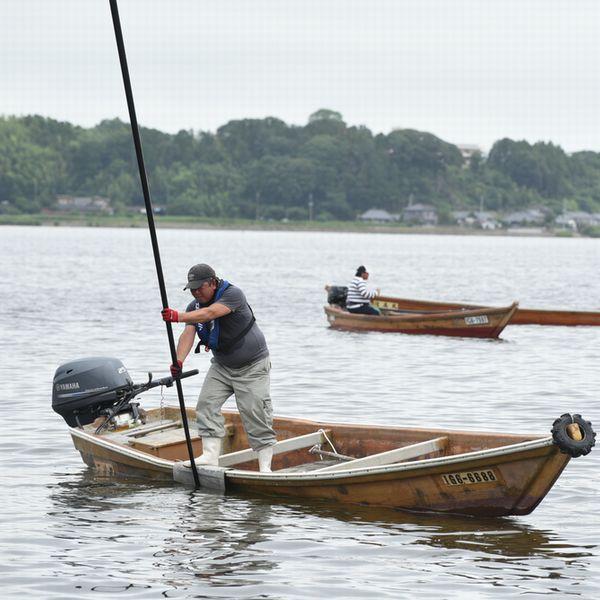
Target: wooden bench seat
(295, 443)
(167, 442)
(143, 431)
(391, 456)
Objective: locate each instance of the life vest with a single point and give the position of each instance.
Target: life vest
(209, 332)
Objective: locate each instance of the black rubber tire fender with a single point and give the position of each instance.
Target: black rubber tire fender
(566, 443)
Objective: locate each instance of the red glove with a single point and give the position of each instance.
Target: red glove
(170, 315)
(176, 369)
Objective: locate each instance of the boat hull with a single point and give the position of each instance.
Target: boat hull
(472, 473)
(477, 323)
(522, 316)
(521, 484)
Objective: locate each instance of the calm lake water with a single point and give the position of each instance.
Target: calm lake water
(70, 293)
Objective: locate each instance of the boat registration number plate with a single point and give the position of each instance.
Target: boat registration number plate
(470, 477)
(479, 320)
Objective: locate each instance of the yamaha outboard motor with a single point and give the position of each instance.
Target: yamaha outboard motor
(84, 389)
(337, 295)
(89, 388)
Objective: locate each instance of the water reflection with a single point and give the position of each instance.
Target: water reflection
(115, 536)
(505, 536)
(213, 521)
(204, 535)
(221, 536)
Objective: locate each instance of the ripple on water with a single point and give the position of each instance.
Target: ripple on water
(67, 533)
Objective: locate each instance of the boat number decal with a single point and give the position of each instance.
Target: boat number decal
(480, 320)
(469, 477)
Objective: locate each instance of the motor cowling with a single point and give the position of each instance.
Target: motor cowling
(337, 294)
(84, 389)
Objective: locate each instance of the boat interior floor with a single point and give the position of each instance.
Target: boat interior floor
(166, 439)
(311, 466)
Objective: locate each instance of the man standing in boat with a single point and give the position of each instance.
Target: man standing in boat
(360, 294)
(225, 325)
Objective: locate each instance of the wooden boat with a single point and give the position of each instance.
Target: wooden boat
(522, 316)
(479, 323)
(473, 473)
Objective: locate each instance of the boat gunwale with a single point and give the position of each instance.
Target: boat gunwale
(150, 459)
(450, 304)
(523, 316)
(427, 316)
(399, 467)
(120, 447)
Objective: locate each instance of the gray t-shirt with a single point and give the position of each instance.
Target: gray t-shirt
(252, 346)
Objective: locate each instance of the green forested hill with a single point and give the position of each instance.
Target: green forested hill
(267, 169)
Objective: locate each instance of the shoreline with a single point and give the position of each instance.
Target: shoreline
(166, 222)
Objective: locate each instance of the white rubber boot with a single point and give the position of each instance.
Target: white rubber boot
(264, 459)
(211, 450)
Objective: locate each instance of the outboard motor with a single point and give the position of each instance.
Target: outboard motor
(84, 389)
(88, 388)
(337, 295)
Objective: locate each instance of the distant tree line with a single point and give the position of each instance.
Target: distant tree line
(266, 169)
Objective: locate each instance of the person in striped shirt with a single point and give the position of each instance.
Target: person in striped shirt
(360, 294)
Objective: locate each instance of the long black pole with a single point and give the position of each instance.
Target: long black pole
(135, 131)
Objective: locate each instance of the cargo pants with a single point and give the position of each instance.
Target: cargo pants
(251, 386)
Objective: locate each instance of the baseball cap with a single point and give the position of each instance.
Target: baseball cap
(198, 274)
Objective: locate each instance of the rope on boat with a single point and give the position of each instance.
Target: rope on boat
(328, 440)
(316, 449)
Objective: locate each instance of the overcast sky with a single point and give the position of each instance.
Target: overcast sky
(468, 71)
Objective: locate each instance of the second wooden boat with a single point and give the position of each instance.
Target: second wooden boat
(522, 316)
(478, 323)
